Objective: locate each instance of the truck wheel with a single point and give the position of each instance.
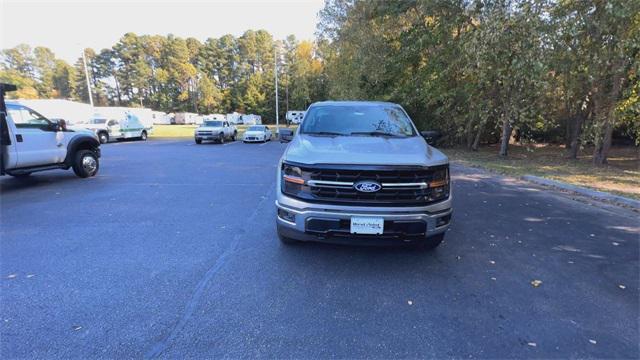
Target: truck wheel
(21, 176)
(85, 163)
(285, 240)
(103, 137)
(431, 242)
(143, 135)
(221, 138)
(198, 141)
(235, 134)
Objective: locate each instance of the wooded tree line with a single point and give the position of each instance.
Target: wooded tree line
(173, 74)
(481, 71)
(489, 70)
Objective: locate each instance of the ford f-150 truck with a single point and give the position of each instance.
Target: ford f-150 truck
(360, 172)
(29, 142)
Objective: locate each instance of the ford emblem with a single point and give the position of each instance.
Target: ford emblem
(367, 186)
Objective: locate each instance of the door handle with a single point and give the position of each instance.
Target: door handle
(18, 137)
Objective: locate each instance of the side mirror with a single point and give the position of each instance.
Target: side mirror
(431, 136)
(59, 125)
(285, 135)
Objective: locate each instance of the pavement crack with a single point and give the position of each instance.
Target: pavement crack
(160, 346)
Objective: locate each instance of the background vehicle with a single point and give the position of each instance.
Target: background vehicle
(107, 129)
(216, 130)
(295, 116)
(250, 119)
(360, 172)
(30, 142)
(256, 133)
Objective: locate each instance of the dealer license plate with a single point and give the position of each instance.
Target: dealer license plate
(367, 225)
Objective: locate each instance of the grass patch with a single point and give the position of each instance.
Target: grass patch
(186, 131)
(620, 176)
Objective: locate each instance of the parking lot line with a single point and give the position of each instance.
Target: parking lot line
(230, 143)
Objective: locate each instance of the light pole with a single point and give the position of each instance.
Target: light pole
(86, 75)
(275, 63)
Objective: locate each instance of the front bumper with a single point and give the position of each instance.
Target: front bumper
(207, 137)
(330, 223)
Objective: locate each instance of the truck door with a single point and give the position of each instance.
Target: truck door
(35, 138)
(8, 155)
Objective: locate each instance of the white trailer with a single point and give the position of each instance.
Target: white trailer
(295, 116)
(251, 119)
(234, 118)
(185, 118)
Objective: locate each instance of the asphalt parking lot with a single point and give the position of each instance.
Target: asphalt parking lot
(171, 252)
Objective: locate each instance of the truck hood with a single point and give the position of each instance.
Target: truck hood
(363, 150)
(210, 128)
(89, 126)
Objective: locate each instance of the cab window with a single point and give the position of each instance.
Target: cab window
(25, 118)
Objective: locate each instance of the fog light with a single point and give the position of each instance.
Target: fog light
(286, 215)
(442, 221)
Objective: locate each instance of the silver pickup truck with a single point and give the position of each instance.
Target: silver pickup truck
(360, 172)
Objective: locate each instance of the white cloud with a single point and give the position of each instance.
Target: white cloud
(68, 26)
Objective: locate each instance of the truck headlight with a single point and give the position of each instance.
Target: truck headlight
(292, 180)
(439, 184)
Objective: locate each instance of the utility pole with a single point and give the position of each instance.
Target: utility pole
(275, 63)
(86, 75)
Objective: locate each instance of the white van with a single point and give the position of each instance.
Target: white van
(126, 127)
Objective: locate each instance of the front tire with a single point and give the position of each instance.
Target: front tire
(198, 141)
(85, 164)
(285, 240)
(103, 137)
(235, 134)
(431, 242)
(221, 138)
(143, 135)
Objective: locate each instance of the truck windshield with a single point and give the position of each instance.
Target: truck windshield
(358, 120)
(212, 123)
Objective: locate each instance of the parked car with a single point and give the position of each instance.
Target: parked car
(360, 172)
(216, 130)
(257, 133)
(30, 143)
(108, 129)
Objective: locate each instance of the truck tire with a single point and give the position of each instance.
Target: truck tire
(431, 242)
(221, 138)
(103, 137)
(143, 135)
(283, 239)
(198, 141)
(85, 163)
(235, 134)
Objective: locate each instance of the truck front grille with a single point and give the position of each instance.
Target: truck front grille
(400, 185)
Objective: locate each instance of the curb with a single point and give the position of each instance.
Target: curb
(584, 191)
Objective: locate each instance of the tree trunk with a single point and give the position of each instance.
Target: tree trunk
(506, 135)
(602, 147)
(476, 141)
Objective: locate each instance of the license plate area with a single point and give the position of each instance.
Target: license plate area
(367, 225)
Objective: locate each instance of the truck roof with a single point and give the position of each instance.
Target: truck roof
(352, 103)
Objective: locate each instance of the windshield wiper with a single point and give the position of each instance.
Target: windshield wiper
(376, 133)
(329, 133)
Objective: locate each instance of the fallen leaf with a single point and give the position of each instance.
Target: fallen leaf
(593, 341)
(615, 243)
(11, 276)
(30, 275)
(622, 286)
(410, 302)
(532, 344)
(536, 283)
(76, 327)
(494, 279)
(492, 262)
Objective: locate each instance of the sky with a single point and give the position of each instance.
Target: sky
(68, 26)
